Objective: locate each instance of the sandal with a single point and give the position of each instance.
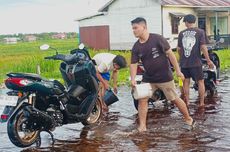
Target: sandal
(190, 127)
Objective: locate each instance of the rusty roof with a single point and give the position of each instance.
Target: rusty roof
(197, 3)
(183, 3)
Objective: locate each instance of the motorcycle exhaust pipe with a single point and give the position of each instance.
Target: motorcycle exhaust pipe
(39, 119)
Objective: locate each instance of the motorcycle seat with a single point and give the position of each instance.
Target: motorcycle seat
(25, 75)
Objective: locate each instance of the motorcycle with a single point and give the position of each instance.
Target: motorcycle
(44, 105)
(210, 79)
(158, 98)
(211, 76)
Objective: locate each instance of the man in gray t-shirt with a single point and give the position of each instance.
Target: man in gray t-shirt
(191, 42)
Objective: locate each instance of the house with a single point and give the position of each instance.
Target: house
(59, 36)
(111, 29)
(30, 38)
(10, 40)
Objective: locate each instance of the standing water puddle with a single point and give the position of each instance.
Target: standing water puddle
(165, 132)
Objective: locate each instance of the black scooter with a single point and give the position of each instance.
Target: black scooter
(211, 75)
(43, 104)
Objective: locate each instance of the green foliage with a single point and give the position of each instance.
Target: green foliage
(224, 56)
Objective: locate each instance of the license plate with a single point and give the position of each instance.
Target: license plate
(8, 100)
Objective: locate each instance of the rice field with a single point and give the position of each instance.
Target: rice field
(25, 56)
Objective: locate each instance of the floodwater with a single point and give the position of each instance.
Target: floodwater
(165, 129)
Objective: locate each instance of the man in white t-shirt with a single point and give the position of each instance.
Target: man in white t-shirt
(106, 63)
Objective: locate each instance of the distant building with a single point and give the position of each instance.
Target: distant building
(30, 38)
(111, 29)
(59, 36)
(10, 40)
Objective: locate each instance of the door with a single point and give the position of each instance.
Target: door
(96, 37)
(202, 23)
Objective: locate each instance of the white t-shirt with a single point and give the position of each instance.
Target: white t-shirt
(104, 62)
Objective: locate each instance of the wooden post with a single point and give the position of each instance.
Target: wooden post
(38, 69)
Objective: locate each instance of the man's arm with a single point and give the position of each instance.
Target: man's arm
(114, 77)
(104, 83)
(179, 52)
(175, 64)
(133, 73)
(206, 55)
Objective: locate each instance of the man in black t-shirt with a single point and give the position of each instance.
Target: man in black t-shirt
(154, 51)
(191, 42)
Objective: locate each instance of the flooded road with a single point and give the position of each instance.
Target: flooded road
(165, 132)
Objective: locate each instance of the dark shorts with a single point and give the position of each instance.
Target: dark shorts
(106, 76)
(196, 73)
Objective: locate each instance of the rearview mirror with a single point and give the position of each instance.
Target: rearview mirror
(81, 46)
(221, 40)
(44, 47)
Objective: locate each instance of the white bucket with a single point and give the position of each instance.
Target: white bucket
(143, 90)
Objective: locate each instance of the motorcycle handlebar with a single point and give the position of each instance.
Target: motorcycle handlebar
(48, 57)
(66, 58)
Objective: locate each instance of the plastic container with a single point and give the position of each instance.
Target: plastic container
(110, 97)
(143, 90)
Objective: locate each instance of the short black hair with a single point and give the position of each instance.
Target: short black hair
(189, 18)
(138, 20)
(120, 61)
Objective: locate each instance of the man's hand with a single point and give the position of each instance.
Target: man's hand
(180, 74)
(115, 89)
(133, 83)
(210, 64)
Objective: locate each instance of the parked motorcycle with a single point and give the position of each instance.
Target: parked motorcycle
(210, 79)
(43, 104)
(211, 76)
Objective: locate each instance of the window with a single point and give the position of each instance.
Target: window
(175, 24)
(222, 25)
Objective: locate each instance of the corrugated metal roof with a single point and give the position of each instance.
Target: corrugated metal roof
(196, 3)
(184, 3)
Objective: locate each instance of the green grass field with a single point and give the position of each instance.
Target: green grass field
(25, 56)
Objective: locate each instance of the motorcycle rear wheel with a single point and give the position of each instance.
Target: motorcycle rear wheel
(17, 132)
(95, 114)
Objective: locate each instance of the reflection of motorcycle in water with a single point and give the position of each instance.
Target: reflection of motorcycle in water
(43, 105)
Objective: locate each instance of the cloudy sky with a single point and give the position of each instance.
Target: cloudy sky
(36, 16)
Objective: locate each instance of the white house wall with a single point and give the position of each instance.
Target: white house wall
(167, 26)
(119, 17)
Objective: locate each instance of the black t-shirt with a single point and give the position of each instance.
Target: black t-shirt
(189, 42)
(152, 54)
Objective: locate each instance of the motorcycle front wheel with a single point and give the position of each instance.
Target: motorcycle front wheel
(95, 114)
(18, 134)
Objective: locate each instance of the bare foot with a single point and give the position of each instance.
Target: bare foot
(105, 110)
(201, 105)
(141, 129)
(189, 121)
